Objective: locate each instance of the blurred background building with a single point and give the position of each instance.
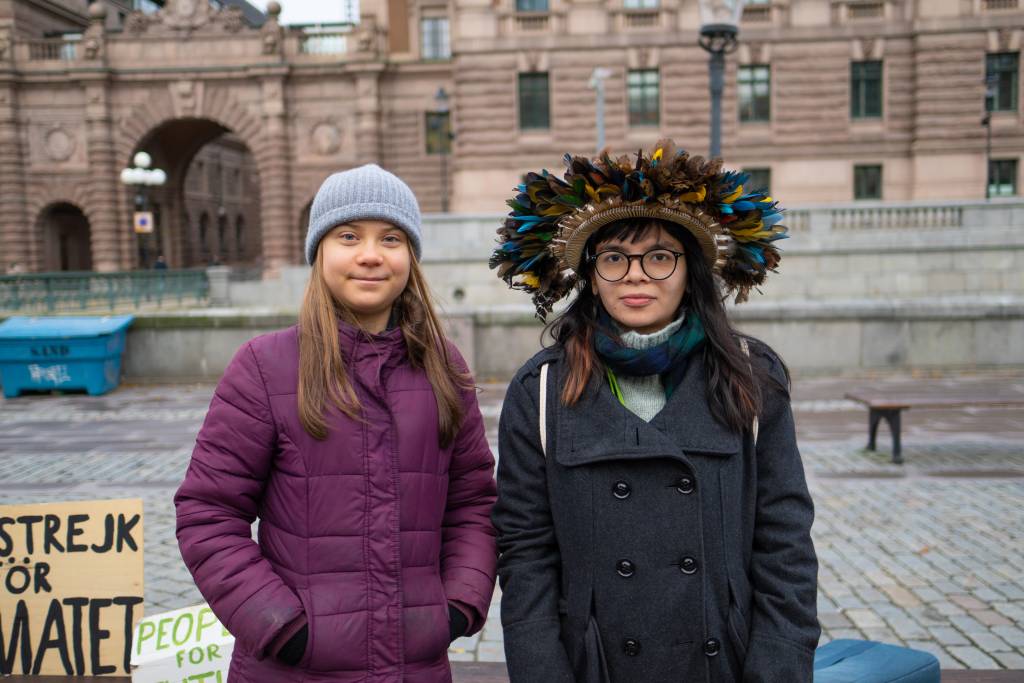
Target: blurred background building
(825, 101)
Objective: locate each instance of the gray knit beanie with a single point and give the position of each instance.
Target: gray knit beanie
(365, 193)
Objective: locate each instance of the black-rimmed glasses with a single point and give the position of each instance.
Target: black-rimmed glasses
(658, 264)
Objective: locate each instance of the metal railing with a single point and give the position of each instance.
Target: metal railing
(865, 9)
(532, 22)
(757, 14)
(86, 291)
(641, 18)
(335, 43)
(53, 49)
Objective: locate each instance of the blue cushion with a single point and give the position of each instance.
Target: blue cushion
(862, 661)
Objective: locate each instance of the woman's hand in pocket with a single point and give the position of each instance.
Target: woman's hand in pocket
(458, 624)
(292, 651)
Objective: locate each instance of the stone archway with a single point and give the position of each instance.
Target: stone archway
(212, 111)
(64, 232)
(210, 173)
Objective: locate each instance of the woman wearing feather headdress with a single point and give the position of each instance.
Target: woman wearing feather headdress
(653, 516)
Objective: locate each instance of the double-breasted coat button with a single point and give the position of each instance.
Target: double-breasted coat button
(688, 565)
(631, 646)
(685, 484)
(711, 647)
(625, 568)
(621, 490)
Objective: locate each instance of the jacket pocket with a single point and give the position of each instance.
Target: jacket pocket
(595, 662)
(426, 629)
(310, 631)
(335, 642)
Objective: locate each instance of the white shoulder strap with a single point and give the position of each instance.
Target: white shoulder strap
(543, 413)
(746, 350)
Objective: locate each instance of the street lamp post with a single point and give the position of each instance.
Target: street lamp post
(597, 79)
(442, 106)
(986, 120)
(139, 178)
(718, 36)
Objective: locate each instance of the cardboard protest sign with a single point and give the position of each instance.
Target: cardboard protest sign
(184, 645)
(70, 587)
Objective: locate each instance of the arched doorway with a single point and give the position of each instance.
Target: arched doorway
(212, 174)
(65, 236)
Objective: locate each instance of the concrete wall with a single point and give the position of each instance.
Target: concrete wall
(813, 337)
(862, 287)
(866, 250)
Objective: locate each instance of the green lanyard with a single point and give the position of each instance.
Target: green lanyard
(614, 384)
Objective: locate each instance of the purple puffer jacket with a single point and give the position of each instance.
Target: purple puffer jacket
(370, 533)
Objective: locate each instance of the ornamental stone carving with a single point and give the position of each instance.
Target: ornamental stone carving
(326, 138)
(136, 23)
(59, 144)
(5, 45)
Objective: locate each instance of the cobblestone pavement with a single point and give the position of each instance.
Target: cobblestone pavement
(929, 554)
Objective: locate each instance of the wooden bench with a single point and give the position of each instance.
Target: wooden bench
(888, 403)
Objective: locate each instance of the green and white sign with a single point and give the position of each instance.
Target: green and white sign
(184, 646)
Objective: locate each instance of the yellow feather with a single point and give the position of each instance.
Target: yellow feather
(531, 280)
(657, 155)
(736, 194)
(695, 196)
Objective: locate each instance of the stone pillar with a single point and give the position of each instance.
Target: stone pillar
(105, 215)
(368, 109)
(219, 278)
(16, 227)
(275, 178)
(105, 218)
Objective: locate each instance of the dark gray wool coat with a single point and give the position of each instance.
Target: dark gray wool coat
(634, 552)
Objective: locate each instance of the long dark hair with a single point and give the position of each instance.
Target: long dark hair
(733, 379)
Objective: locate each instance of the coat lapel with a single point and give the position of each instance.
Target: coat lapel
(598, 428)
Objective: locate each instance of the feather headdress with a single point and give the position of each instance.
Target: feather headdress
(541, 243)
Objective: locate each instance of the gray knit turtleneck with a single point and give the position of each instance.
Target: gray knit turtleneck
(645, 396)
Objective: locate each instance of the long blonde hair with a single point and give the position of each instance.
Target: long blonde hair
(323, 379)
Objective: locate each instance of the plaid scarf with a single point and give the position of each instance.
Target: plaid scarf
(668, 359)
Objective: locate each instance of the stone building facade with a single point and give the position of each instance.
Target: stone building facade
(826, 100)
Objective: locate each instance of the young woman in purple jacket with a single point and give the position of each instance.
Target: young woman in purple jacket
(356, 439)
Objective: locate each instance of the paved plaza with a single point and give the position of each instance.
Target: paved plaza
(929, 554)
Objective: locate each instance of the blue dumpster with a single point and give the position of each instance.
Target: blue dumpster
(62, 353)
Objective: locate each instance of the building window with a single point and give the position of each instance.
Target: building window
(760, 180)
(434, 42)
(534, 101)
(755, 85)
(438, 136)
(1002, 178)
(531, 5)
(1001, 81)
(204, 245)
(239, 236)
(147, 6)
(867, 182)
(644, 89)
(640, 4)
(865, 89)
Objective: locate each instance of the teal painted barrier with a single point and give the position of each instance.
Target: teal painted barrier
(41, 354)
